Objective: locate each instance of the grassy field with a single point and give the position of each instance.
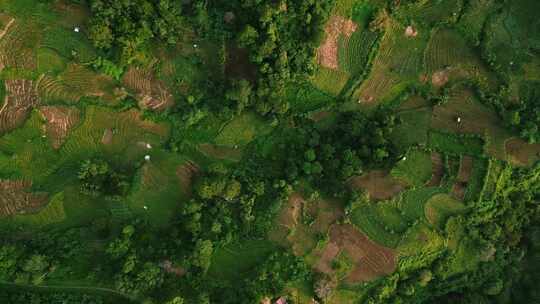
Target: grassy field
(238, 259)
(330, 81)
(241, 130)
(440, 207)
(414, 169)
(454, 144)
(412, 202)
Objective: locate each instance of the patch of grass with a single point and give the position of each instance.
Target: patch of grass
(381, 222)
(305, 97)
(494, 170)
(52, 213)
(354, 52)
(342, 265)
(476, 181)
(413, 129)
(330, 81)
(432, 12)
(242, 129)
(69, 44)
(413, 201)
(235, 260)
(49, 62)
(455, 144)
(440, 207)
(415, 170)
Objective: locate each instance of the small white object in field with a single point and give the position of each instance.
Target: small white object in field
(44, 136)
(195, 46)
(511, 63)
(148, 146)
(236, 146)
(147, 157)
(77, 29)
(459, 119)
(404, 158)
(145, 207)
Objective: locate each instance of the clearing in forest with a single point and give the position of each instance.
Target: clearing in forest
(380, 185)
(150, 92)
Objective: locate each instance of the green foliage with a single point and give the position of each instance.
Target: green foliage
(108, 68)
(98, 178)
(456, 144)
(414, 168)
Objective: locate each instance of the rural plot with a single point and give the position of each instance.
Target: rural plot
(150, 92)
(431, 12)
(472, 21)
(382, 222)
(113, 132)
(521, 153)
(414, 169)
(242, 130)
(397, 64)
(16, 197)
(380, 185)
(18, 102)
(52, 213)
(474, 118)
(419, 246)
(329, 78)
(440, 207)
(75, 82)
(59, 121)
(447, 57)
(18, 47)
(32, 157)
(368, 259)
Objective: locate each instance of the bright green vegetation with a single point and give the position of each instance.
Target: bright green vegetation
(239, 152)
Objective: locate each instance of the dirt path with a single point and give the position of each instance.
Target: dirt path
(72, 288)
(437, 170)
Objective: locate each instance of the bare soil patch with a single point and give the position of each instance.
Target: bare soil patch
(411, 31)
(379, 184)
(15, 198)
(462, 180)
(6, 22)
(371, 259)
(59, 121)
(437, 170)
(238, 64)
(186, 174)
(440, 78)
(151, 93)
(20, 98)
(521, 153)
(169, 267)
(327, 54)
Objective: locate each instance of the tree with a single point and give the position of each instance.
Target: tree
(202, 254)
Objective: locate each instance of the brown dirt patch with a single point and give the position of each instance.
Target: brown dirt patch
(59, 121)
(327, 54)
(151, 93)
(169, 267)
(462, 180)
(521, 153)
(6, 21)
(411, 31)
(20, 98)
(380, 185)
(370, 259)
(16, 198)
(186, 174)
(414, 102)
(238, 64)
(329, 253)
(437, 170)
(440, 78)
(107, 137)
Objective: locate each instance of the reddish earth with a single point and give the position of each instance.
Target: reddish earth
(521, 153)
(370, 259)
(59, 121)
(15, 197)
(327, 54)
(440, 78)
(462, 180)
(20, 98)
(186, 174)
(380, 185)
(437, 170)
